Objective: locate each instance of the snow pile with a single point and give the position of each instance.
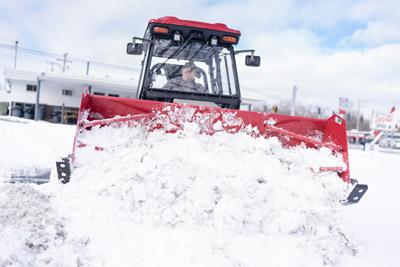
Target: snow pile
(189, 199)
(31, 231)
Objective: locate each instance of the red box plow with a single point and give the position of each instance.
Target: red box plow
(189, 74)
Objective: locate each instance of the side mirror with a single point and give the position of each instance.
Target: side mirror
(134, 49)
(253, 63)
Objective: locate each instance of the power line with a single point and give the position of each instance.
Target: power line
(109, 65)
(6, 46)
(43, 53)
(37, 52)
(265, 93)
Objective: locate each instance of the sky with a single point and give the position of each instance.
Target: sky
(328, 49)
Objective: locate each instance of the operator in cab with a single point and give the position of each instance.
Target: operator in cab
(186, 82)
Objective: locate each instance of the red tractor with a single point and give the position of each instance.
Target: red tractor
(192, 64)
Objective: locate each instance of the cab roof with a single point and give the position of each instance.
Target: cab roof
(196, 24)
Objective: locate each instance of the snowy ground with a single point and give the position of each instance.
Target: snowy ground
(376, 219)
(186, 199)
(28, 148)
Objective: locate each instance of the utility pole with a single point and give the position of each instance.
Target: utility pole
(52, 65)
(38, 97)
(361, 104)
(16, 51)
(65, 61)
(358, 115)
(358, 119)
(292, 110)
(87, 68)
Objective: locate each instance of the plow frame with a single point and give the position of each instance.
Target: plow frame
(291, 131)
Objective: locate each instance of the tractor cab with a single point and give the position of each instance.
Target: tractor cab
(170, 43)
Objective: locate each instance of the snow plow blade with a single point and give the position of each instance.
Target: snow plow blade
(292, 131)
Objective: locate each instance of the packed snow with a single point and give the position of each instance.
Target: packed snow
(188, 199)
(29, 148)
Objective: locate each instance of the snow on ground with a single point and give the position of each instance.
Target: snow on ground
(185, 199)
(29, 148)
(376, 219)
(31, 232)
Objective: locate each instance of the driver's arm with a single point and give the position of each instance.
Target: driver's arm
(169, 85)
(200, 88)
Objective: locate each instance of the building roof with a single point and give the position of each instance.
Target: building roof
(20, 75)
(67, 78)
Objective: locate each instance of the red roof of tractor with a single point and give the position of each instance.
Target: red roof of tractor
(196, 24)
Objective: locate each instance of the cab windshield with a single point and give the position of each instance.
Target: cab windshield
(212, 67)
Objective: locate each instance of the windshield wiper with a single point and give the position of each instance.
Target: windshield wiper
(176, 52)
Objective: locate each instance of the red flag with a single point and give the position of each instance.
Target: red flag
(393, 109)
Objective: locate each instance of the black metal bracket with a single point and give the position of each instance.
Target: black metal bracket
(357, 193)
(64, 169)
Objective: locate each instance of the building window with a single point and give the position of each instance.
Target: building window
(98, 93)
(67, 92)
(31, 88)
(114, 95)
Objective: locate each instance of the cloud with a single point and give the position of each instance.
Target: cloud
(295, 58)
(376, 33)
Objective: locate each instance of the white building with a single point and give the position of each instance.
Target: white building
(20, 91)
